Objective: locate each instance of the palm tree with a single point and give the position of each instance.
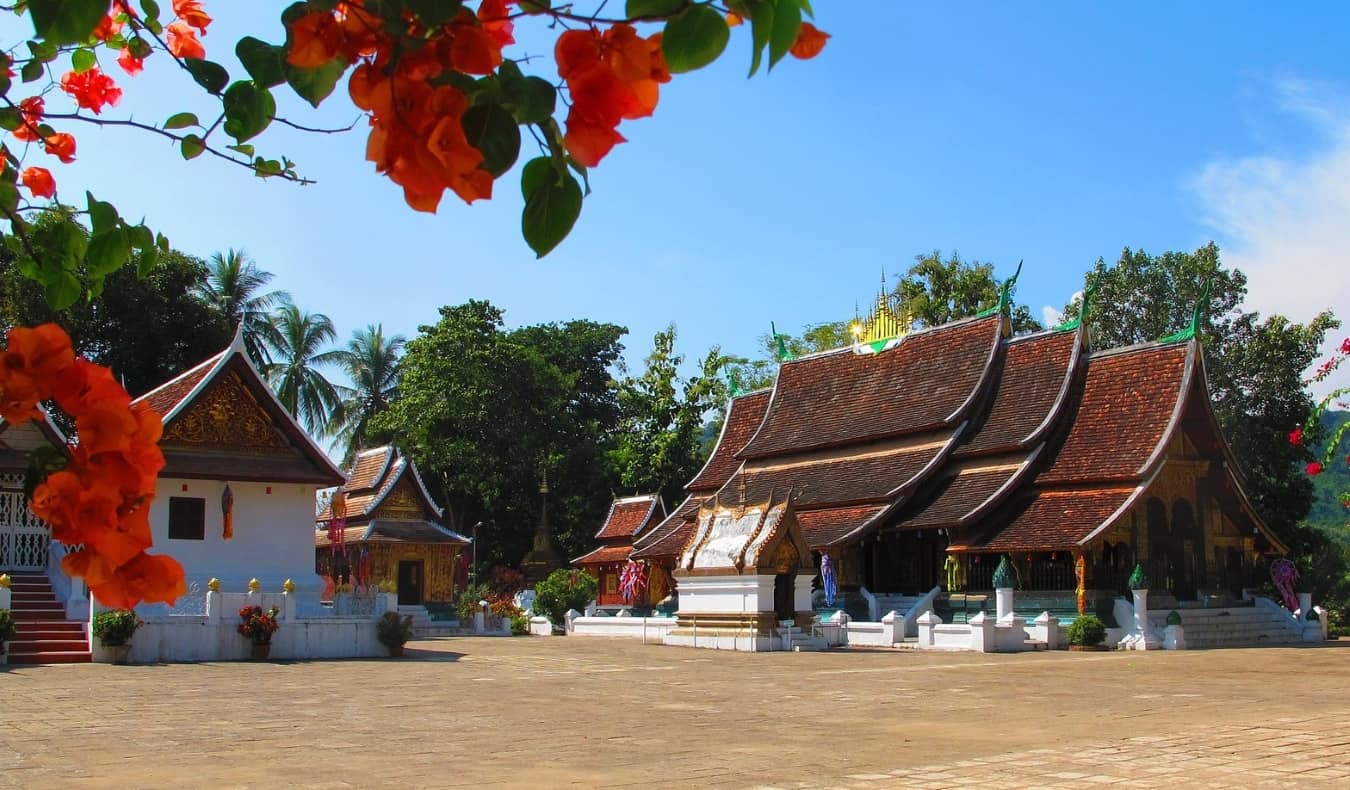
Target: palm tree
(371, 362)
(298, 353)
(234, 287)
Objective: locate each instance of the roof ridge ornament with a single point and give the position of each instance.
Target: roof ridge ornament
(1197, 317)
(1084, 305)
(781, 352)
(734, 389)
(884, 329)
(1004, 295)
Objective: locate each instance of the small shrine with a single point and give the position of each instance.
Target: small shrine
(383, 527)
(628, 519)
(746, 572)
(543, 557)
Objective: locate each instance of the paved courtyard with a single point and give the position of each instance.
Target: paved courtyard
(466, 712)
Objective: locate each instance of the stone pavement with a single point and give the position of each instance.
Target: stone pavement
(545, 712)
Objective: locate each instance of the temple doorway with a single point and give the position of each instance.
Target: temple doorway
(782, 597)
(409, 582)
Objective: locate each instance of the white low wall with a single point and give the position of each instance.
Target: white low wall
(651, 629)
(213, 635)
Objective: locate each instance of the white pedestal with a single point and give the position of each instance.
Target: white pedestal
(1003, 601)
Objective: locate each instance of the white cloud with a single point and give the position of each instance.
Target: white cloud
(1284, 220)
(1050, 316)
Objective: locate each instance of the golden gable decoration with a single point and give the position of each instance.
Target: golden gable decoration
(227, 415)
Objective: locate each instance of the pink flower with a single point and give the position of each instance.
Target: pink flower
(1345, 346)
(1314, 469)
(1296, 436)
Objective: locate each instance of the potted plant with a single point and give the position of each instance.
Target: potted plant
(6, 631)
(394, 631)
(114, 629)
(259, 626)
(1086, 633)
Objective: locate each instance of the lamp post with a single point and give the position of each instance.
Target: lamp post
(473, 570)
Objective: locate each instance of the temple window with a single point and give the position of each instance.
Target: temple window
(187, 518)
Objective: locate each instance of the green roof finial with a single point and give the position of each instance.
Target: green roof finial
(1138, 579)
(1004, 575)
(781, 352)
(1004, 295)
(1084, 305)
(733, 384)
(1201, 312)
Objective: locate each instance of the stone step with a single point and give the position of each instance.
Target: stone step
(62, 657)
(49, 633)
(21, 645)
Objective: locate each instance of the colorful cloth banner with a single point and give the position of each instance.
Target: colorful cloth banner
(827, 579)
(632, 580)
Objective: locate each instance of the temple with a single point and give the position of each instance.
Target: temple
(916, 460)
(628, 518)
(390, 532)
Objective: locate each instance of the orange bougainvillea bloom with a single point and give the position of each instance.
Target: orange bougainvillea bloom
(131, 64)
(190, 11)
(91, 89)
(183, 41)
(31, 361)
(316, 38)
(61, 146)
(108, 27)
(611, 76)
(31, 109)
(496, 20)
(810, 41)
(39, 181)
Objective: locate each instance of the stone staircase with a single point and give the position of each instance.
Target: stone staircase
(798, 641)
(1244, 626)
(43, 634)
(900, 604)
(424, 626)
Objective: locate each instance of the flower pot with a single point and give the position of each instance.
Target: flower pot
(260, 652)
(118, 653)
(395, 651)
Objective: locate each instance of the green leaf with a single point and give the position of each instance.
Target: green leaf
(245, 149)
(432, 13)
(248, 110)
(61, 289)
(142, 238)
(552, 205)
(9, 194)
(493, 131)
(694, 39)
(651, 8)
(535, 6)
(315, 84)
(66, 21)
(532, 99)
(264, 62)
(192, 146)
(761, 26)
(787, 21)
(108, 252)
(146, 261)
(181, 120)
(82, 60)
(10, 119)
(31, 71)
(140, 48)
(162, 242)
(209, 75)
(102, 215)
(43, 51)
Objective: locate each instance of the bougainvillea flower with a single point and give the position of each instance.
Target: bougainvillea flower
(91, 89)
(473, 50)
(183, 41)
(496, 21)
(589, 143)
(1314, 468)
(31, 109)
(810, 41)
(1345, 346)
(61, 146)
(190, 12)
(1296, 436)
(316, 38)
(39, 181)
(131, 64)
(86, 385)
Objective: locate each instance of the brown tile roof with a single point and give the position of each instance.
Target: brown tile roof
(168, 395)
(743, 418)
(368, 468)
(351, 535)
(630, 516)
(824, 527)
(963, 491)
(670, 543)
(864, 474)
(1054, 520)
(389, 531)
(841, 397)
(1036, 371)
(684, 515)
(373, 475)
(1128, 401)
(604, 555)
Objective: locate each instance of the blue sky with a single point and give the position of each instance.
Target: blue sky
(1053, 133)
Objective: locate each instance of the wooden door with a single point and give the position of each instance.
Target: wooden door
(409, 582)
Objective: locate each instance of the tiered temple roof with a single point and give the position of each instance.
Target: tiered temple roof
(388, 502)
(1009, 443)
(628, 518)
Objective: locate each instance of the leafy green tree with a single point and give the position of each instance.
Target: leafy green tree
(299, 350)
(660, 445)
(234, 286)
(370, 361)
(935, 291)
(148, 328)
(1254, 366)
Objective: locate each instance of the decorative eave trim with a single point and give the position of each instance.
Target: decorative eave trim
(387, 451)
(1003, 491)
(1066, 389)
(422, 487)
(1123, 509)
(213, 360)
(981, 386)
(1159, 454)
